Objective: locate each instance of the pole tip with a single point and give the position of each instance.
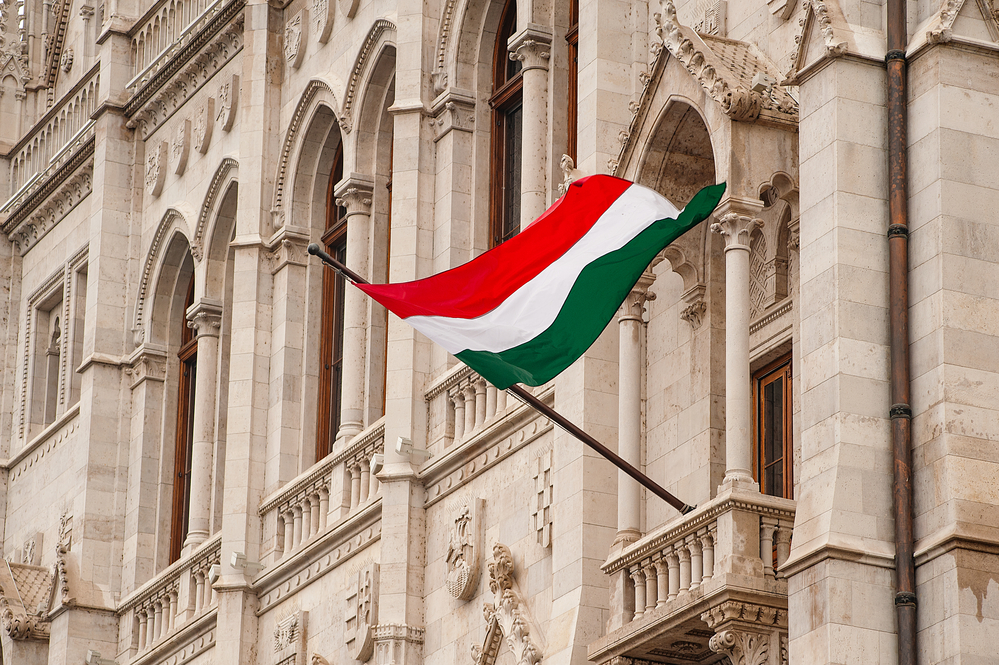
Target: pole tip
(313, 248)
(687, 509)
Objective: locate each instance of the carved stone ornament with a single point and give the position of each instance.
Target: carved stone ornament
(453, 112)
(736, 229)
(362, 613)
(541, 510)
(67, 60)
(532, 47)
(749, 634)
(156, 168)
(285, 632)
(205, 317)
(290, 636)
(506, 616)
(322, 19)
(694, 313)
(318, 660)
(60, 590)
(464, 546)
(569, 174)
(228, 100)
(296, 32)
(180, 147)
(204, 123)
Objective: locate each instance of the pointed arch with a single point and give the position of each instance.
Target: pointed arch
(172, 224)
(226, 174)
(382, 31)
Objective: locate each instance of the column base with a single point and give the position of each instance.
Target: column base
(738, 480)
(624, 538)
(193, 541)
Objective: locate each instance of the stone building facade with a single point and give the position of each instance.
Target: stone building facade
(213, 451)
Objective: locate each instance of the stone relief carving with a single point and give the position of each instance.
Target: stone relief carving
(64, 198)
(290, 637)
(569, 174)
(362, 613)
(285, 632)
(61, 591)
(821, 14)
(747, 633)
(711, 17)
(541, 511)
(204, 123)
(439, 74)
(462, 560)
(180, 146)
(228, 101)
(156, 168)
(505, 616)
(67, 60)
(295, 37)
(457, 112)
(29, 553)
(318, 660)
(393, 643)
(322, 20)
(694, 313)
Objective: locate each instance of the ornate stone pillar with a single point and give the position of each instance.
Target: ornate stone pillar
(205, 318)
(630, 319)
(736, 229)
(532, 47)
(354, 194)
(748, 633)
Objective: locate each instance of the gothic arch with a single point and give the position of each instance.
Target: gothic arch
(379, 94)
(226, 174)
(172, 225)
(381, 33)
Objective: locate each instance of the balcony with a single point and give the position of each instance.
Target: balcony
(704, 586)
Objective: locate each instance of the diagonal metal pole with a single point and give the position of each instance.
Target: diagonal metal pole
(541, 407)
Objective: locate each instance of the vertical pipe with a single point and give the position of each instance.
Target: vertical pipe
(898, 316)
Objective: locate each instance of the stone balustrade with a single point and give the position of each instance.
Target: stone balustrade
(53, 140)
(164, 31)
(666, 583)
(170, 601)
(461, 403)
(334, 488)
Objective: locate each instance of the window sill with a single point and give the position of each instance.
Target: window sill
(43, 436)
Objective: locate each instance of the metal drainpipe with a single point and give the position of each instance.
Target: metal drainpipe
(898, 315)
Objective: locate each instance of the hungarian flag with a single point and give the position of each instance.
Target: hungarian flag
(525, 310)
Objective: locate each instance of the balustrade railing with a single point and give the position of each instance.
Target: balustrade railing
(461, 403)
(669, 566)
(165, 29)
(167, 603)
(54, 138)
(332, 489)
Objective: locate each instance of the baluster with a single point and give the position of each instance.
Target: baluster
(459, 415)
(210, 596)
(638, 577)
(172, 611)
(153, 631)
(355, 485)
(373, 491)
(289, 531)
(469, 393)
(140, 614)
(662, 581)
(651, 587)
(306, 506)
(163, 616)
(490, 401)
(684, 556)
(315, 503)
(783, 545)
(480, 403)
(324, 507)
(500, 401)
(673, 564)
(767, 527)
(199, 592)
(708, 555)
(365, 479)
(696, 564)
(297, 540)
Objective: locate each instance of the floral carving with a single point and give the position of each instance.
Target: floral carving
(694, 313)
(505, 615)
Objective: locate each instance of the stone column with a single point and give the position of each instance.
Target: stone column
(532, 47)
(629, 493)
(354, 194)
(736, 229)
(205, 318)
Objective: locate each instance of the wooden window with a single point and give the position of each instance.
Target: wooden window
(188, 357)
(507, 103)
(572, 37)
(772, 428)
(331, 335)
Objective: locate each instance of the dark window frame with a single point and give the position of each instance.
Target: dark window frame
(186, 399)
(773, 374)
(506, 102)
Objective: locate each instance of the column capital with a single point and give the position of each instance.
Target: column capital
(531, 46)
(633, 307)
(736, 229)
(354, 193)
(205, 317)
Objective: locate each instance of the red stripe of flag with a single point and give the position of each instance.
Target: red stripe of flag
(479, 286)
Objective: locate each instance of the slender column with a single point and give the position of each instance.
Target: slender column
(629, 492)
(673, 566)
(205, 318)
(696, 562)
(365, 480)
(736, 229)
(458, 398)
(289, 531)
(354, 194)
(662, 582)
(638, 577)
(532, 47)
(355, 486)
(708, 556)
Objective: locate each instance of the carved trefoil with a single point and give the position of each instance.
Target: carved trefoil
(228, 101)
(463, 551)
(506, 616)
(156, 167)
(362, 613)
(541, 511)
(295, 36)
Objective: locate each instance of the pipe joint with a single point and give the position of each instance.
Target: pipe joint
(895, 54)
(900, 411)
(903, 598)
(898, 231)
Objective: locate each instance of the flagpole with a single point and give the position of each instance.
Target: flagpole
(541, 407)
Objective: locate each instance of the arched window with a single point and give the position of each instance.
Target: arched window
(508, 122)
(331, 335)
(188, 357)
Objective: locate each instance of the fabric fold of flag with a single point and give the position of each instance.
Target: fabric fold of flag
(525, 310)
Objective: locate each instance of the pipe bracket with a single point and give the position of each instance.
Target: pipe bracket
(895, 54)
(900, 411)
(898, 231)
(905, 598)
